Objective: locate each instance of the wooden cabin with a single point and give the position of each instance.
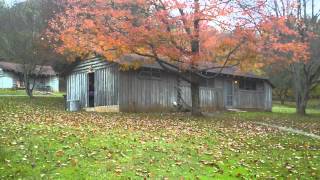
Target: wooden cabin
(97, 83)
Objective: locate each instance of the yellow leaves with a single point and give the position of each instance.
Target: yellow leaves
(127, 66)
(74, 162)
(178, 163)
(14, 143)
(109, 155)
(142, 173)
(59, 153)
(175, 144)
(118, 170)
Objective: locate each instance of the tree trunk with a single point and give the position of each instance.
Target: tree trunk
(281, 97)
(195, 47)
(179, 96)
(195, 97)
(282, 101)
(301, 104)
(302, 88)
(302, 97)
(29, 90)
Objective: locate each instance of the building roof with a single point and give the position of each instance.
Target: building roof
(18, 68)
(133, 59)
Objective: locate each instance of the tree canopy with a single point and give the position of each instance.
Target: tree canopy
(22, 37)
(190, 37)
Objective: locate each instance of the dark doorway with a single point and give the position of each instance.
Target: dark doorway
(229, 94)
(91, 89)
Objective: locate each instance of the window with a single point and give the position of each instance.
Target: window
(149, 74)
(208, 83)
(247, 85)
(1, 73)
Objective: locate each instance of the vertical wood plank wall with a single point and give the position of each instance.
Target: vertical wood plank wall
(268, 97)
(210, 98)
(106, 83)
(137, 94)
(77, 88)
(140, 95)
(252, 99)
(106, 86)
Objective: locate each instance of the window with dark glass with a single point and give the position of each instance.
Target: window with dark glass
(150, 74)
(247, 85)
(209, 83)
(1, 72)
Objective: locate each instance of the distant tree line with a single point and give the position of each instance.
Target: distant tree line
(22, 38)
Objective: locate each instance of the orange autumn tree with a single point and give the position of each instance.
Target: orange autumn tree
(185, 37)
(291, 35)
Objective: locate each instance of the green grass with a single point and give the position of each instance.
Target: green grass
(23, 93)
(313, 104)
(284, 115)
(38, 139)
(12, 92)
(292, 110)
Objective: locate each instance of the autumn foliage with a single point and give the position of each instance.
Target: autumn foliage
(191, 36)
(284, 43)
(158, 29)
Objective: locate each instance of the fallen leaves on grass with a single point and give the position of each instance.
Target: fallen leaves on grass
(168, 143)
(59, 153)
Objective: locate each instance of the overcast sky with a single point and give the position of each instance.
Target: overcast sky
(12, 1)
(317, 3)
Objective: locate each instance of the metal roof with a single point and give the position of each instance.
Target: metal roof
(133, 59)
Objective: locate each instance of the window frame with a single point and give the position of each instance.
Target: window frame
(247, 85)
(149, 74)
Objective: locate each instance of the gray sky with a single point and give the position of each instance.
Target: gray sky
(317, 4)
(9, 2)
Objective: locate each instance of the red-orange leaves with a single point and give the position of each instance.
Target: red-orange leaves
(88, 24)
(283, 39)
(226, 32)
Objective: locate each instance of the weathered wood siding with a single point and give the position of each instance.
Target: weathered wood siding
(106, 82)
(268, 96)
(253, 99)
(210, 98)
(138, 94)
(106, 86)
(134, 93)
(250, 99)
(77, 88)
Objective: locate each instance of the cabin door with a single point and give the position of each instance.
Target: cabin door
(229, 93)
(91, 89)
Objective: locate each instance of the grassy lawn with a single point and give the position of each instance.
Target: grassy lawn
(289, 106)
(284, 115)
(39, 140)
(23, 93)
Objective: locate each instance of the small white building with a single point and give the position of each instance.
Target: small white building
(11, 76)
